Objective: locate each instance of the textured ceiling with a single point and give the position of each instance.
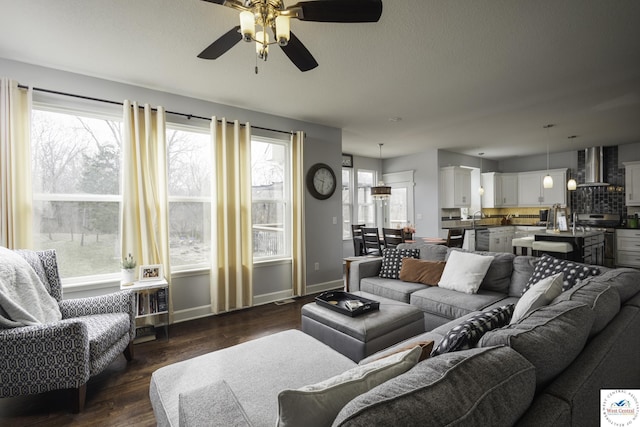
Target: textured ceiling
(468, 76)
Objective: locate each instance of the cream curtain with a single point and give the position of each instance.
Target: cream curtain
(298, 245)
(16, 204)
(231, 233)
(144, 216)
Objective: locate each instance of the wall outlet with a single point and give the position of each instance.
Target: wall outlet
(335, 220)
(316, 266)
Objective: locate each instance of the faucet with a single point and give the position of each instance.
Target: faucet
(473, 219)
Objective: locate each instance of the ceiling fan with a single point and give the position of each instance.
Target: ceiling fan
(273, 15)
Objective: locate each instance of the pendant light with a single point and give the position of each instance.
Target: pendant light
(547, 182)
(380, 191)
(481, 189)
(572, 185)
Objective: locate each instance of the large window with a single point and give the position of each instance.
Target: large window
(76, 190)
(190, 166)
(271, 195)
(366, 205)
(347, 203)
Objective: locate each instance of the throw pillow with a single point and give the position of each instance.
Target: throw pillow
(572, 271)
(319, 404)
(422, 271)
(392, 261)
(426, 346)
(467, 334)
(464, 271)
(540, 294)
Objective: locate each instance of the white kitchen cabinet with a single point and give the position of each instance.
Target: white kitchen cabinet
(500, 239)
(628, 248)
(632, 183)
(500, 189)
(455, 187)
(532, 193)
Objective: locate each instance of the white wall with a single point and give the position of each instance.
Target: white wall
(323, 144)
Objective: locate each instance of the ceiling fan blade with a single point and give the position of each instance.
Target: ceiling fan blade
(299, 54)
(223, 44)
(215, 1)
(338, 11)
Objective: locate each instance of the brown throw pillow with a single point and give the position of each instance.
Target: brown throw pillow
(421, 271)
(426, 346)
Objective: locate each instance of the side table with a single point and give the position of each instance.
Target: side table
(151, 302)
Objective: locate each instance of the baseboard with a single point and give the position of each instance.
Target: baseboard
(272, 297)
(326, 286)
(192, 313)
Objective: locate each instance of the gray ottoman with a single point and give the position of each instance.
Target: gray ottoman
(361, 336)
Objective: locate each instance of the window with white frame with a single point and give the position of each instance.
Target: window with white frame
(190, 164)
(76, 189)
(271, 198)
(366, 205)
(347, 202)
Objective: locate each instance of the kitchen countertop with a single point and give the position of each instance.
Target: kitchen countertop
(570, 234)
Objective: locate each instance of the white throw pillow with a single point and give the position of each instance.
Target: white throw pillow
(464, 271)
(538, 295)
(319, 404)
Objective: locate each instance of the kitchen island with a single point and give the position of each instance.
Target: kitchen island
(588, 246)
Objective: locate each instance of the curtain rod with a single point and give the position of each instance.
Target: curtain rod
(106, 101)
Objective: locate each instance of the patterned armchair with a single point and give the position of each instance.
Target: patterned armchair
(65, 354)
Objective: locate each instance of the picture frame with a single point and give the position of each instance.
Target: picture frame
(561, 219)
(150, 272)
(347, 161)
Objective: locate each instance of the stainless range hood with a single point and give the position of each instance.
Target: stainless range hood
(593, 168)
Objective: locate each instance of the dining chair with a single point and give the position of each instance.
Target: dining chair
(392, 237)
(455, 238)
(371, 239)
(356, 236)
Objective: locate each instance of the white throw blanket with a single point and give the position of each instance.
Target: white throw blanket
(24, 300)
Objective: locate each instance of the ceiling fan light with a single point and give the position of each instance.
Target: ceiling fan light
(283, 30)
(262, 44)
(247, 25)
(547, 182)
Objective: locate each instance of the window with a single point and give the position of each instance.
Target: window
(190, 165)
(271, 195)
(76, 190)
(347, 203)
(366, 205)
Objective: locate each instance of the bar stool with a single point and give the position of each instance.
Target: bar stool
(524, 243)
(557, 249)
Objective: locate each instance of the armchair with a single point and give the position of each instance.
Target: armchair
(65, 354)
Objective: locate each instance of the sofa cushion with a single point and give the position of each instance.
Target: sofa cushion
(422, 271)
(523, 267)
(318, 404)
(392, 261)
(464, 271)
(467, 334)
(452, 304)
(214, 405)
(560, 329)
(427, 251)
(478, 387)
(542, 293)
(573, 271)
(390, 288)
(601, 298)
(498, 275)
(624, 280)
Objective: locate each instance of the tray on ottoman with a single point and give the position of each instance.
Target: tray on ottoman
(341, 301)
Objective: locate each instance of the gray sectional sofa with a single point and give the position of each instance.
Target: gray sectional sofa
(545, 370)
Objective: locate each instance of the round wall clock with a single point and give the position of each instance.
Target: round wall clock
(321, 181)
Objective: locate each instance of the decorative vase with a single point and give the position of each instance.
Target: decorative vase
(128, 275)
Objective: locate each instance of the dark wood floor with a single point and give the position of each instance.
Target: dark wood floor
(119, 396)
